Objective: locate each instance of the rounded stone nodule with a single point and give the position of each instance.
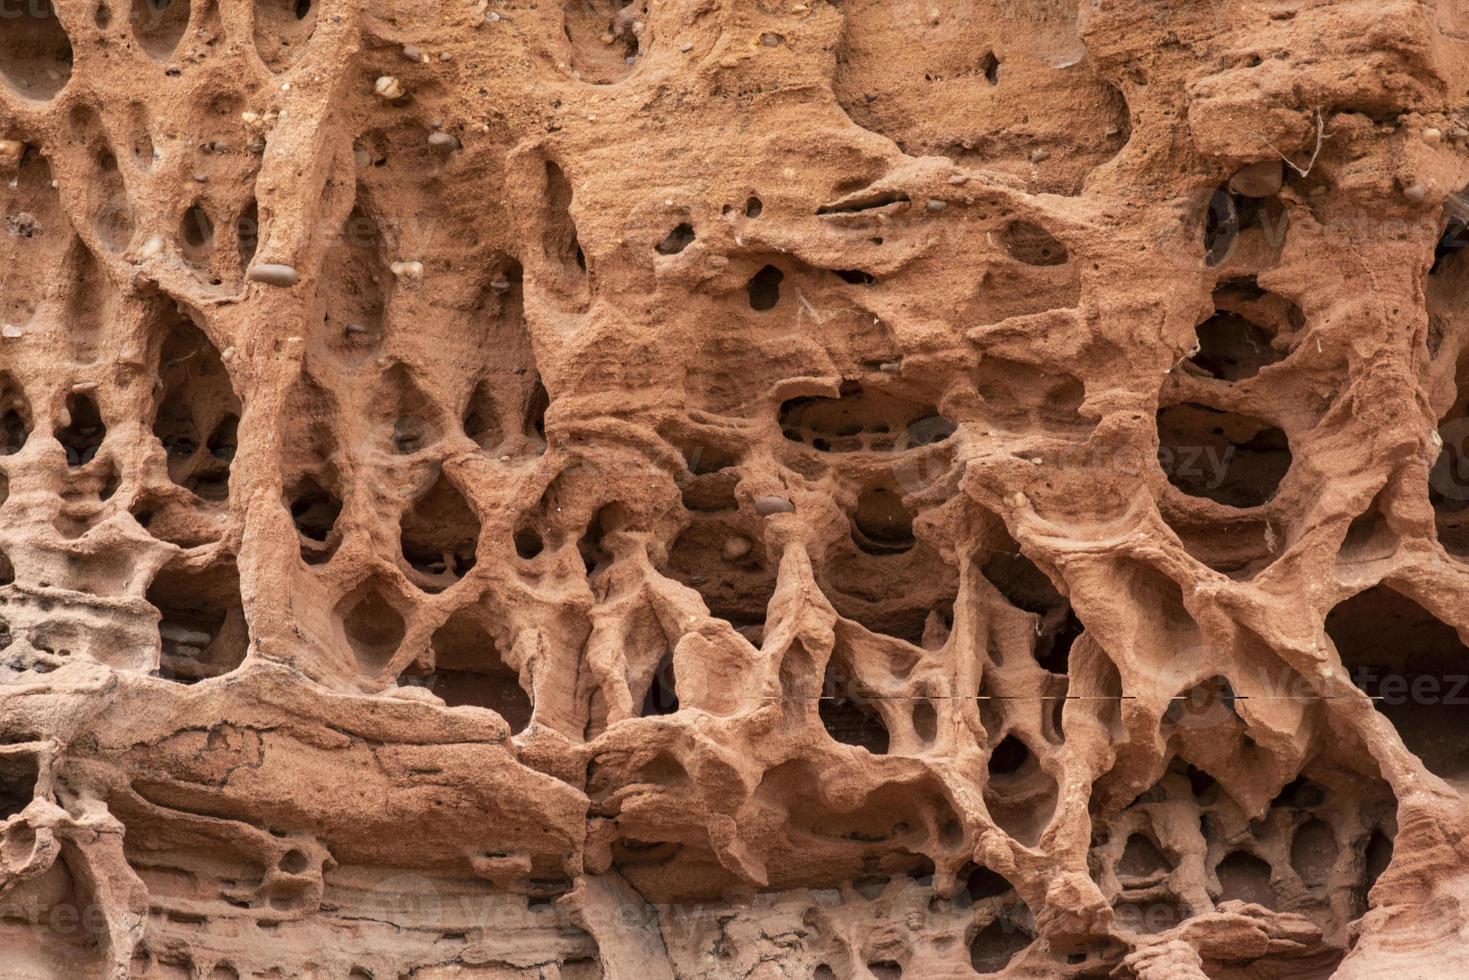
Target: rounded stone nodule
(1263, 179)
(274, 274)
(772, 504)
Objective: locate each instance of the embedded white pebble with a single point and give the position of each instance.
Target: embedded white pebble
(388, 88)
(736, 548)
(407, 270)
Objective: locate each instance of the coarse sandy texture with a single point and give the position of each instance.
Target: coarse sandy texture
(734, 488)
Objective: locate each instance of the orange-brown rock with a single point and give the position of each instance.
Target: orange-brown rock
(833, 489)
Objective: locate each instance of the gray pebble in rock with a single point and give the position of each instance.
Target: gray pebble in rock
(273, 274)
(768, 505)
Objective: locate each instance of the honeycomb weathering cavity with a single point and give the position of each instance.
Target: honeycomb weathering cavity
(734, 488)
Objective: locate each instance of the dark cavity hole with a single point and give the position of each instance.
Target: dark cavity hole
(196, 229)
(925, 721)
(1028, 588)
(1009, 757)
(1141, 858)
(764, 289)
(662, 696)
(1378, 857)
(35, 52)
(1234, 459)
(1453, 240)
(990, 66)
(881, 524)
(677, 240)
(1232, 347)
(1245, 877)
(848, 717)
(981, 883)
(528, 543)
(18, 775)
(314, 510)
(1416, 670)
(85, 433)
(15, 423)
(1027, 242)
(1221, 226)
(469, 670)
(247, 231)
(1300, 794)
(992, 948)
(374, 629)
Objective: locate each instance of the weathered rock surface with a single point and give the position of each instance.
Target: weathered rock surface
(734, 488)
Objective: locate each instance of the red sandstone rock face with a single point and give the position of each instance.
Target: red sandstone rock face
(733, 488)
